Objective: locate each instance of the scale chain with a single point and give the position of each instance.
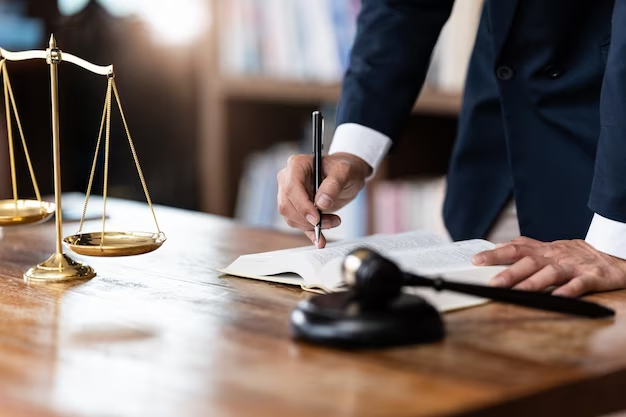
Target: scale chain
(7, 106)
(105, 185)
(105, 124)
(8, 90)
(132, 149)
(107, 105)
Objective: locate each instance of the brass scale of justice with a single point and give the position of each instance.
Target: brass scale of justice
(14, 212)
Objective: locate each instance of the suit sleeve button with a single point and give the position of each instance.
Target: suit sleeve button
(505, 72)
(552, 72)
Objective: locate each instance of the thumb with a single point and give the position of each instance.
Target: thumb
(332, 186)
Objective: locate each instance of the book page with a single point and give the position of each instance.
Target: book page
(327, 262)
(278, 268)
(455, 256)
(385, 245)
(309, 261)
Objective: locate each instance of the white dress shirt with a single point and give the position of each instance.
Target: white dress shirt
(606, 235)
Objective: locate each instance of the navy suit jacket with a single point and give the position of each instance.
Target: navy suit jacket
(544, 111)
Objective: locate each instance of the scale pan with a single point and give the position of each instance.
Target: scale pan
(14, 213)
(115, 243)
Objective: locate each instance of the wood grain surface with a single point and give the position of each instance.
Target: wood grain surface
(163, 334)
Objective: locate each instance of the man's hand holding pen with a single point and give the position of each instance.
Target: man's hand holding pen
(344, 176)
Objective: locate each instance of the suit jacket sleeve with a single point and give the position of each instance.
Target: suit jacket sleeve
(389, 60)
(608, 191)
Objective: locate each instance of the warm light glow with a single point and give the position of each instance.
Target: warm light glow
(120, 8)
(174, 22)
(70, 7)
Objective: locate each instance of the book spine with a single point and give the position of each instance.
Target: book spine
(287, 39)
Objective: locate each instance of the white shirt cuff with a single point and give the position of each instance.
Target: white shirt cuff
(608, 236)
(364, 142)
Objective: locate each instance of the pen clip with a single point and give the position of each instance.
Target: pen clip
(322, 134)
(317, 131)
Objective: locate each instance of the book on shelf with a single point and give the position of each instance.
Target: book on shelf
(256, 198)
(304, 40)
(319, 270)
(287, 39)
(409, 204)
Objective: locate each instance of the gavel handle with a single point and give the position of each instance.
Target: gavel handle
(538, 300)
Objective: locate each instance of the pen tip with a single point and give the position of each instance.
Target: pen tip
(317, 236)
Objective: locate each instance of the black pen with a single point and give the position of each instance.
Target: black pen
(318, 146)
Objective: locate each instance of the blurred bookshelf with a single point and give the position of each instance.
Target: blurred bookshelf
(430, 100)
(253, 105)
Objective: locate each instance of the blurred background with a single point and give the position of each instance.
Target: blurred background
(218, 94)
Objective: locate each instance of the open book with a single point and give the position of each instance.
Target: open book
(418, 252)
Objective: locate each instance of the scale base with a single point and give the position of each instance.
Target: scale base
(59, 267)
(337, 320)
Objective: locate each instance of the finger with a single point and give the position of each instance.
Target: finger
(550, 275)
(330, 221)
(505, 255)
(302, 204)
(291, 185)
(519, 271)
(580, 285)
(311, 235)
(336, 180)
(291, 215)
(523, 240)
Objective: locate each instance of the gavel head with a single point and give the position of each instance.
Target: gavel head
(375, 279)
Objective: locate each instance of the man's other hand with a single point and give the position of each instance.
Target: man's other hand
(344, 176)
(572, 266)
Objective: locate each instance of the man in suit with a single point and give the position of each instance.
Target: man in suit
(543, 123)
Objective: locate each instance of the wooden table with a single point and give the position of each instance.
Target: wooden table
(163, 334)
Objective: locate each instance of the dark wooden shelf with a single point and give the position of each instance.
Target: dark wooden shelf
(247, 114)
(430, 101)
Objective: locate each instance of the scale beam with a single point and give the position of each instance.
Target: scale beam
(63, 56)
